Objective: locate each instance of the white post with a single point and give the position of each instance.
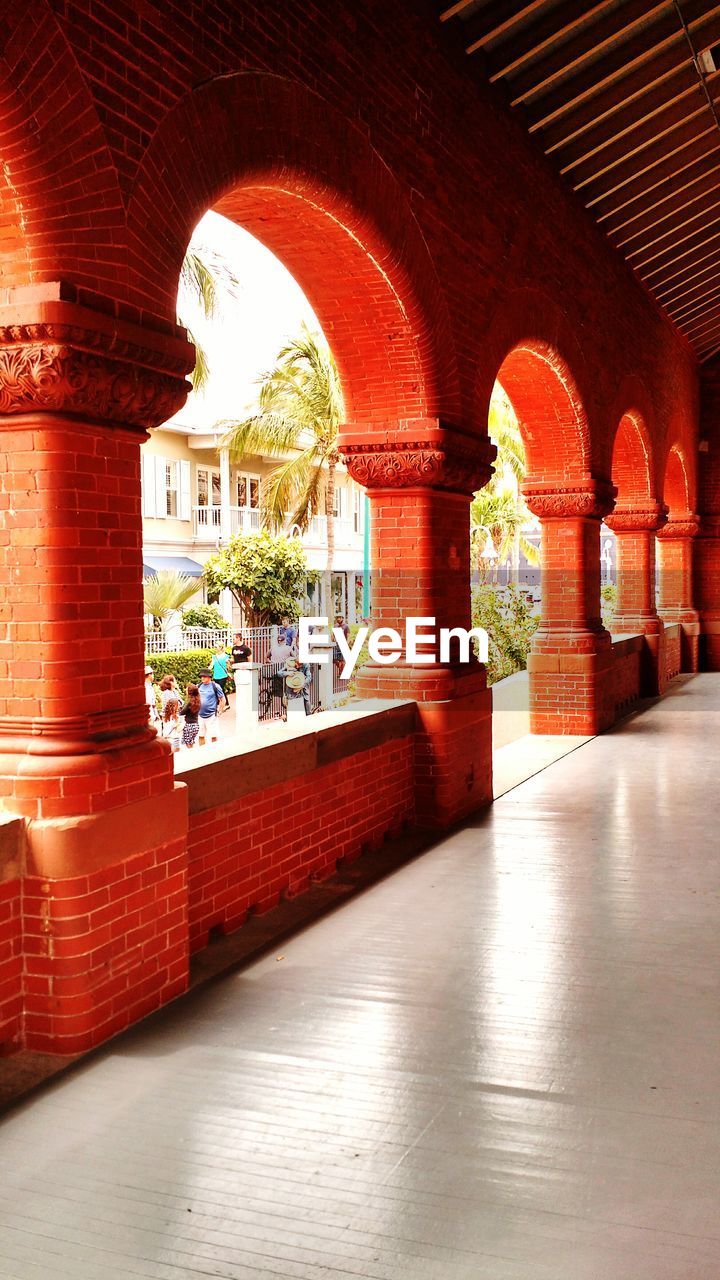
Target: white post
(173, 631)
(225, 513)
(226, 605)
(246, 695)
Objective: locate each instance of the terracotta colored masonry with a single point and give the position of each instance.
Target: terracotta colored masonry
(571, 660)
(635, 528)
(249, 847)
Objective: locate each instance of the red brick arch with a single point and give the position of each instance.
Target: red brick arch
(526, 353)
(676, 488)
(632, 459)
(56, 165)
(298, 176)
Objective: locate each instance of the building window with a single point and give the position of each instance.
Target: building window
(171, 488)
(248, 492)
(358, 510)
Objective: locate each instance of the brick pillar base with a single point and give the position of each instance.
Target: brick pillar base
(676, 590)
(635, 529)
(420, 477)
(571, 660)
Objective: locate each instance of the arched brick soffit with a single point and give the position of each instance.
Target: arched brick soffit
(308, 184)
(532, 353)
(55, 162)
(677, 487)
(631, 443)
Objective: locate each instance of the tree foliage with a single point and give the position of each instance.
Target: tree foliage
(300, 408)
(165, 592)
(510, 620)
(204, 277)
(204, 615)
(266, 573)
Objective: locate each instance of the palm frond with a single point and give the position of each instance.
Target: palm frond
(204, 275)
(200, 375)
(166, 591)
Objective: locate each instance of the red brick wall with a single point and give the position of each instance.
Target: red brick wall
(246, 854)
(103, 949)
(627, 672)
(10, 963)
(376, 120)
(672, 651)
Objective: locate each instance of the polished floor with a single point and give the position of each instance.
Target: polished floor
(501, 1063)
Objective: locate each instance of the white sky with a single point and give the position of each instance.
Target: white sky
(244, 339)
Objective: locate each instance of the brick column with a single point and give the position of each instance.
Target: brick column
(635, 528)
(420, 476)
(676, 594)
(571, 661)
(104, 934)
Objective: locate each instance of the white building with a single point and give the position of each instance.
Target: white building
(194, 499)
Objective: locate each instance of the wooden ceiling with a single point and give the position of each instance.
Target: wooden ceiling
(623, 96)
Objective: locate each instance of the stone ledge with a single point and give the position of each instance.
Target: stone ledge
(217, 776)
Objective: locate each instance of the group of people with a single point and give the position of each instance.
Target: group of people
(189, 718)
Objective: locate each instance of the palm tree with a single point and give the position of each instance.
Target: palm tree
(498, 511)
(300, 408)
(166, 592)
(499, 508)
(204, 276)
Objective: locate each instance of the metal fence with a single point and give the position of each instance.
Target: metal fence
(272, 704)
(177, 641)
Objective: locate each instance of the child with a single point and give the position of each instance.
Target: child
(190, 711)
(171, 723)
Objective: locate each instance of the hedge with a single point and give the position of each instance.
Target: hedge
(184, 666)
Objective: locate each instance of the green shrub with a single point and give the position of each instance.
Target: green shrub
(510, 620)
(204, 615)
(608, 604)
(184, 666)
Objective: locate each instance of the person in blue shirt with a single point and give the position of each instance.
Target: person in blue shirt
(211, 698)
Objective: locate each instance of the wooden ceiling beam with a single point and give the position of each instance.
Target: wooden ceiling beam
(708, 297)
(495, 20)
(663, 36)
(649, 252)
(641, 188)
(704, 331)
(645, 104)
(454, 10)
(672, 294)
(645, 163)
(685, 251)
(631, 232)
(557, 25)
(659, 133)
(600, 41)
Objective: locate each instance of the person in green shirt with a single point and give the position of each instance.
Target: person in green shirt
(220, 661)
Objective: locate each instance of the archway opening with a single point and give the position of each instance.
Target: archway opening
(632, 476)
(538, 422)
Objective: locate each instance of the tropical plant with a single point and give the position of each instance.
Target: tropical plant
(300, 407)
(204, 615)
(510, 620)
(266, 573)
(499, 509)
(204, 276)
(499, 512)
(166, 592)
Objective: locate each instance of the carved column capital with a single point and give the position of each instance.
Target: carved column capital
(648, 517)
(583, 498)
(57, 356)
(420, 453)
(687, 526)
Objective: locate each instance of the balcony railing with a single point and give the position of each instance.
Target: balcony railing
(207, 526)
(207, 522)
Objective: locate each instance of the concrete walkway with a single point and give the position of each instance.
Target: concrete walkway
(501, 1063)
